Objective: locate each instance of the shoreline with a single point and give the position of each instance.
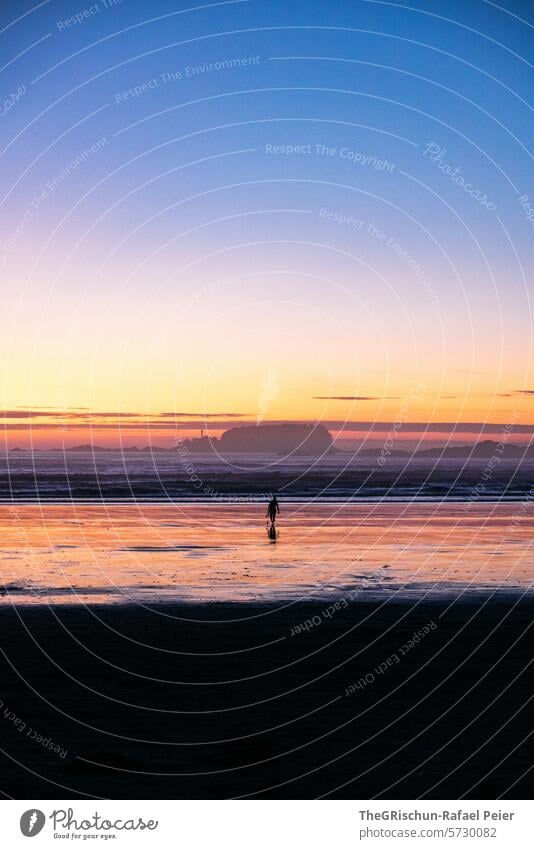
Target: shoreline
(261, 500)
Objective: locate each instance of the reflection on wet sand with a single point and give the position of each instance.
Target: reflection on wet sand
(198, 552)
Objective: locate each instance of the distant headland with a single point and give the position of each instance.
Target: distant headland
(301, 439)
(306, 440)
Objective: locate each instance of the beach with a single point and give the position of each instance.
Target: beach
(374, 651)
(195, 553)
(231, 701)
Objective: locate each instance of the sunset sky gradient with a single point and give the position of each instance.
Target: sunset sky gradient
(249, 212)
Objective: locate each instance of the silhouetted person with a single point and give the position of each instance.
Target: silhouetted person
(273, 509)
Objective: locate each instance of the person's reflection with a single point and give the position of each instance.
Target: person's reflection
(272, 533)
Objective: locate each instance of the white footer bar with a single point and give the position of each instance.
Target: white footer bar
(266, 824)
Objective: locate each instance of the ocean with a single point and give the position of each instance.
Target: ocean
(116, 476)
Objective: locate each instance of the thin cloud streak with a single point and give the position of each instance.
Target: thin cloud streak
(37, 413)
(355, 398)
(334, 425)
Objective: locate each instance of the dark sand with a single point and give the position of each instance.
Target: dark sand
(245, 709)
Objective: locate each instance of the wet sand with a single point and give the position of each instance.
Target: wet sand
(264, 701)
(150, 553)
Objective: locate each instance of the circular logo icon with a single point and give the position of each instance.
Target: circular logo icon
(32, 822)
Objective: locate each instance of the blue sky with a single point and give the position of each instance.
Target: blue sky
(362, 162)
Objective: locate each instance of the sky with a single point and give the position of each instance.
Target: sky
(262, 211)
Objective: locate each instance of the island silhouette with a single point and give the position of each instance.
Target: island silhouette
(301, 439)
